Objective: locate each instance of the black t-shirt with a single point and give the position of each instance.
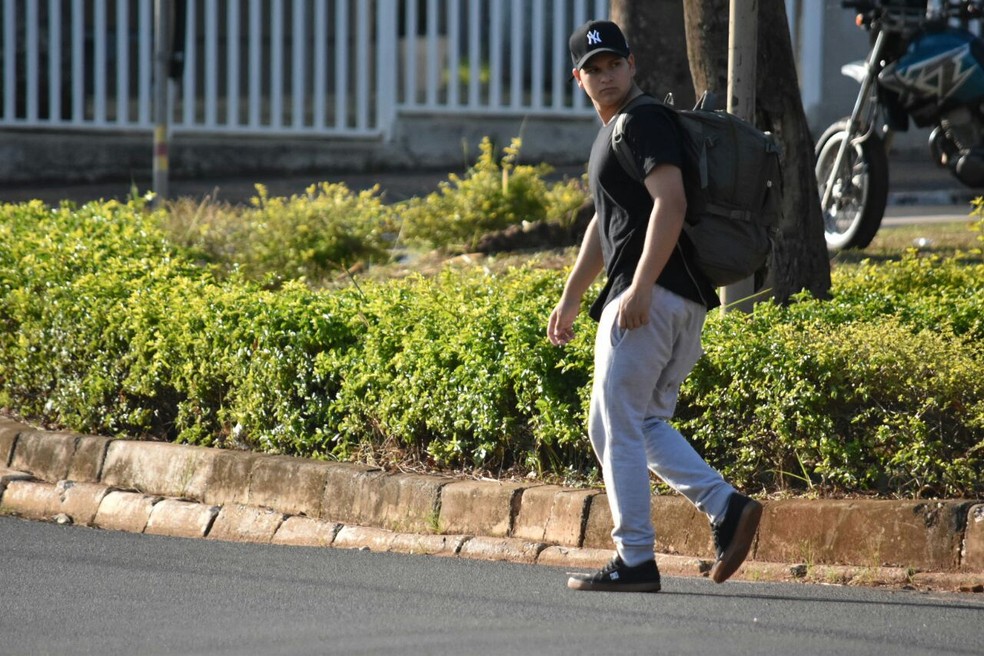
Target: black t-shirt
(624, 206)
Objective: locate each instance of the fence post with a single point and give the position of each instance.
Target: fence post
(162, 60)
(742, 52)
(387, 55)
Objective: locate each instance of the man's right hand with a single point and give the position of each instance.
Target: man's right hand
(560, 330)
(589, 264)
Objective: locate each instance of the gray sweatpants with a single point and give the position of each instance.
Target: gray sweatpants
(637, 379)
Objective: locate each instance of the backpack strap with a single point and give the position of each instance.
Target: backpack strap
(627, 161)
(708, 101)
(622, 151)
(728, 212)
(638, 101)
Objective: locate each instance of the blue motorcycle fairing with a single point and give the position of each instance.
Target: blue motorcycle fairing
(945, 66)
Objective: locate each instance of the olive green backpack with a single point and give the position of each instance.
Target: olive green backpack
(734, 190)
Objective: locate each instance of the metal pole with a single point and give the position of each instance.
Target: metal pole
(162, 56)
(742, 52)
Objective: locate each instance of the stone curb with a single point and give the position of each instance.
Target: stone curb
(197, 492)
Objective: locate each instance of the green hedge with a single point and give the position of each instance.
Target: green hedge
(803, 397)
(458, 370)
(110, 330)
(107, 327)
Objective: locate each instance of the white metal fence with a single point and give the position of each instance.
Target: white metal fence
(323, 67)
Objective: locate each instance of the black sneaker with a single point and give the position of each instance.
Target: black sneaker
(734, 534)
(616, 576)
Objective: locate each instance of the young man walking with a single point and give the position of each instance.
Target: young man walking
(650, 314)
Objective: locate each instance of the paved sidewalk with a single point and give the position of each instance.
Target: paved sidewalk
(197, 492)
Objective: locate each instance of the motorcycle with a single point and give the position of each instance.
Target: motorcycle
(921, 68)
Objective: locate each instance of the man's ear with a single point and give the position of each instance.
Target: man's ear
(576, 75)
(632, 65)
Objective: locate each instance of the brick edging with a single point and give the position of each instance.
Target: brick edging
(245, 495)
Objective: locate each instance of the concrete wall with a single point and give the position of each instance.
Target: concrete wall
(417, 142)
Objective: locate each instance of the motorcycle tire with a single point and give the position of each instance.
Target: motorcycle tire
(856, 206)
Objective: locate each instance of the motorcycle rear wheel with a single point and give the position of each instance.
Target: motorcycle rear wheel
(857, 202)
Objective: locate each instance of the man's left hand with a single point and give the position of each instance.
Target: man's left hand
(633, 308)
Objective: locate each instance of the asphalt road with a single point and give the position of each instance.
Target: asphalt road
(74, 590)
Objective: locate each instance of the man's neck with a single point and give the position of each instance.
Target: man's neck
(607, 113)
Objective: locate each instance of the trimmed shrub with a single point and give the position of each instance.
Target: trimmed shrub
(107, 329)
(925, 292)
(327, 229)
(491, 196)
(786, 399)
(457, 371)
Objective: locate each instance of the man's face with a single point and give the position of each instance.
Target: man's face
(606, 78)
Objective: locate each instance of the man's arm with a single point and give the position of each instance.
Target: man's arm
(665, 185)
(588, 265)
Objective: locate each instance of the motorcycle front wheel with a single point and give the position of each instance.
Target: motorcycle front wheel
(856, 205)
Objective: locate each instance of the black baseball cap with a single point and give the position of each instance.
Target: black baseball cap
(597, 36)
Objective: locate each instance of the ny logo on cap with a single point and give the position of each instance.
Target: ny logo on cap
(594, 37)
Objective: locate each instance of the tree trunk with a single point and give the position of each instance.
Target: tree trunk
(657, 38)
(801, 260)
(706, 26)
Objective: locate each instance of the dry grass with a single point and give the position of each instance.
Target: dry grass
(942, 239)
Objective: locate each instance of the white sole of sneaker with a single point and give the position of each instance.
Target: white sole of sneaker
(578, 584)
(736, 552)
